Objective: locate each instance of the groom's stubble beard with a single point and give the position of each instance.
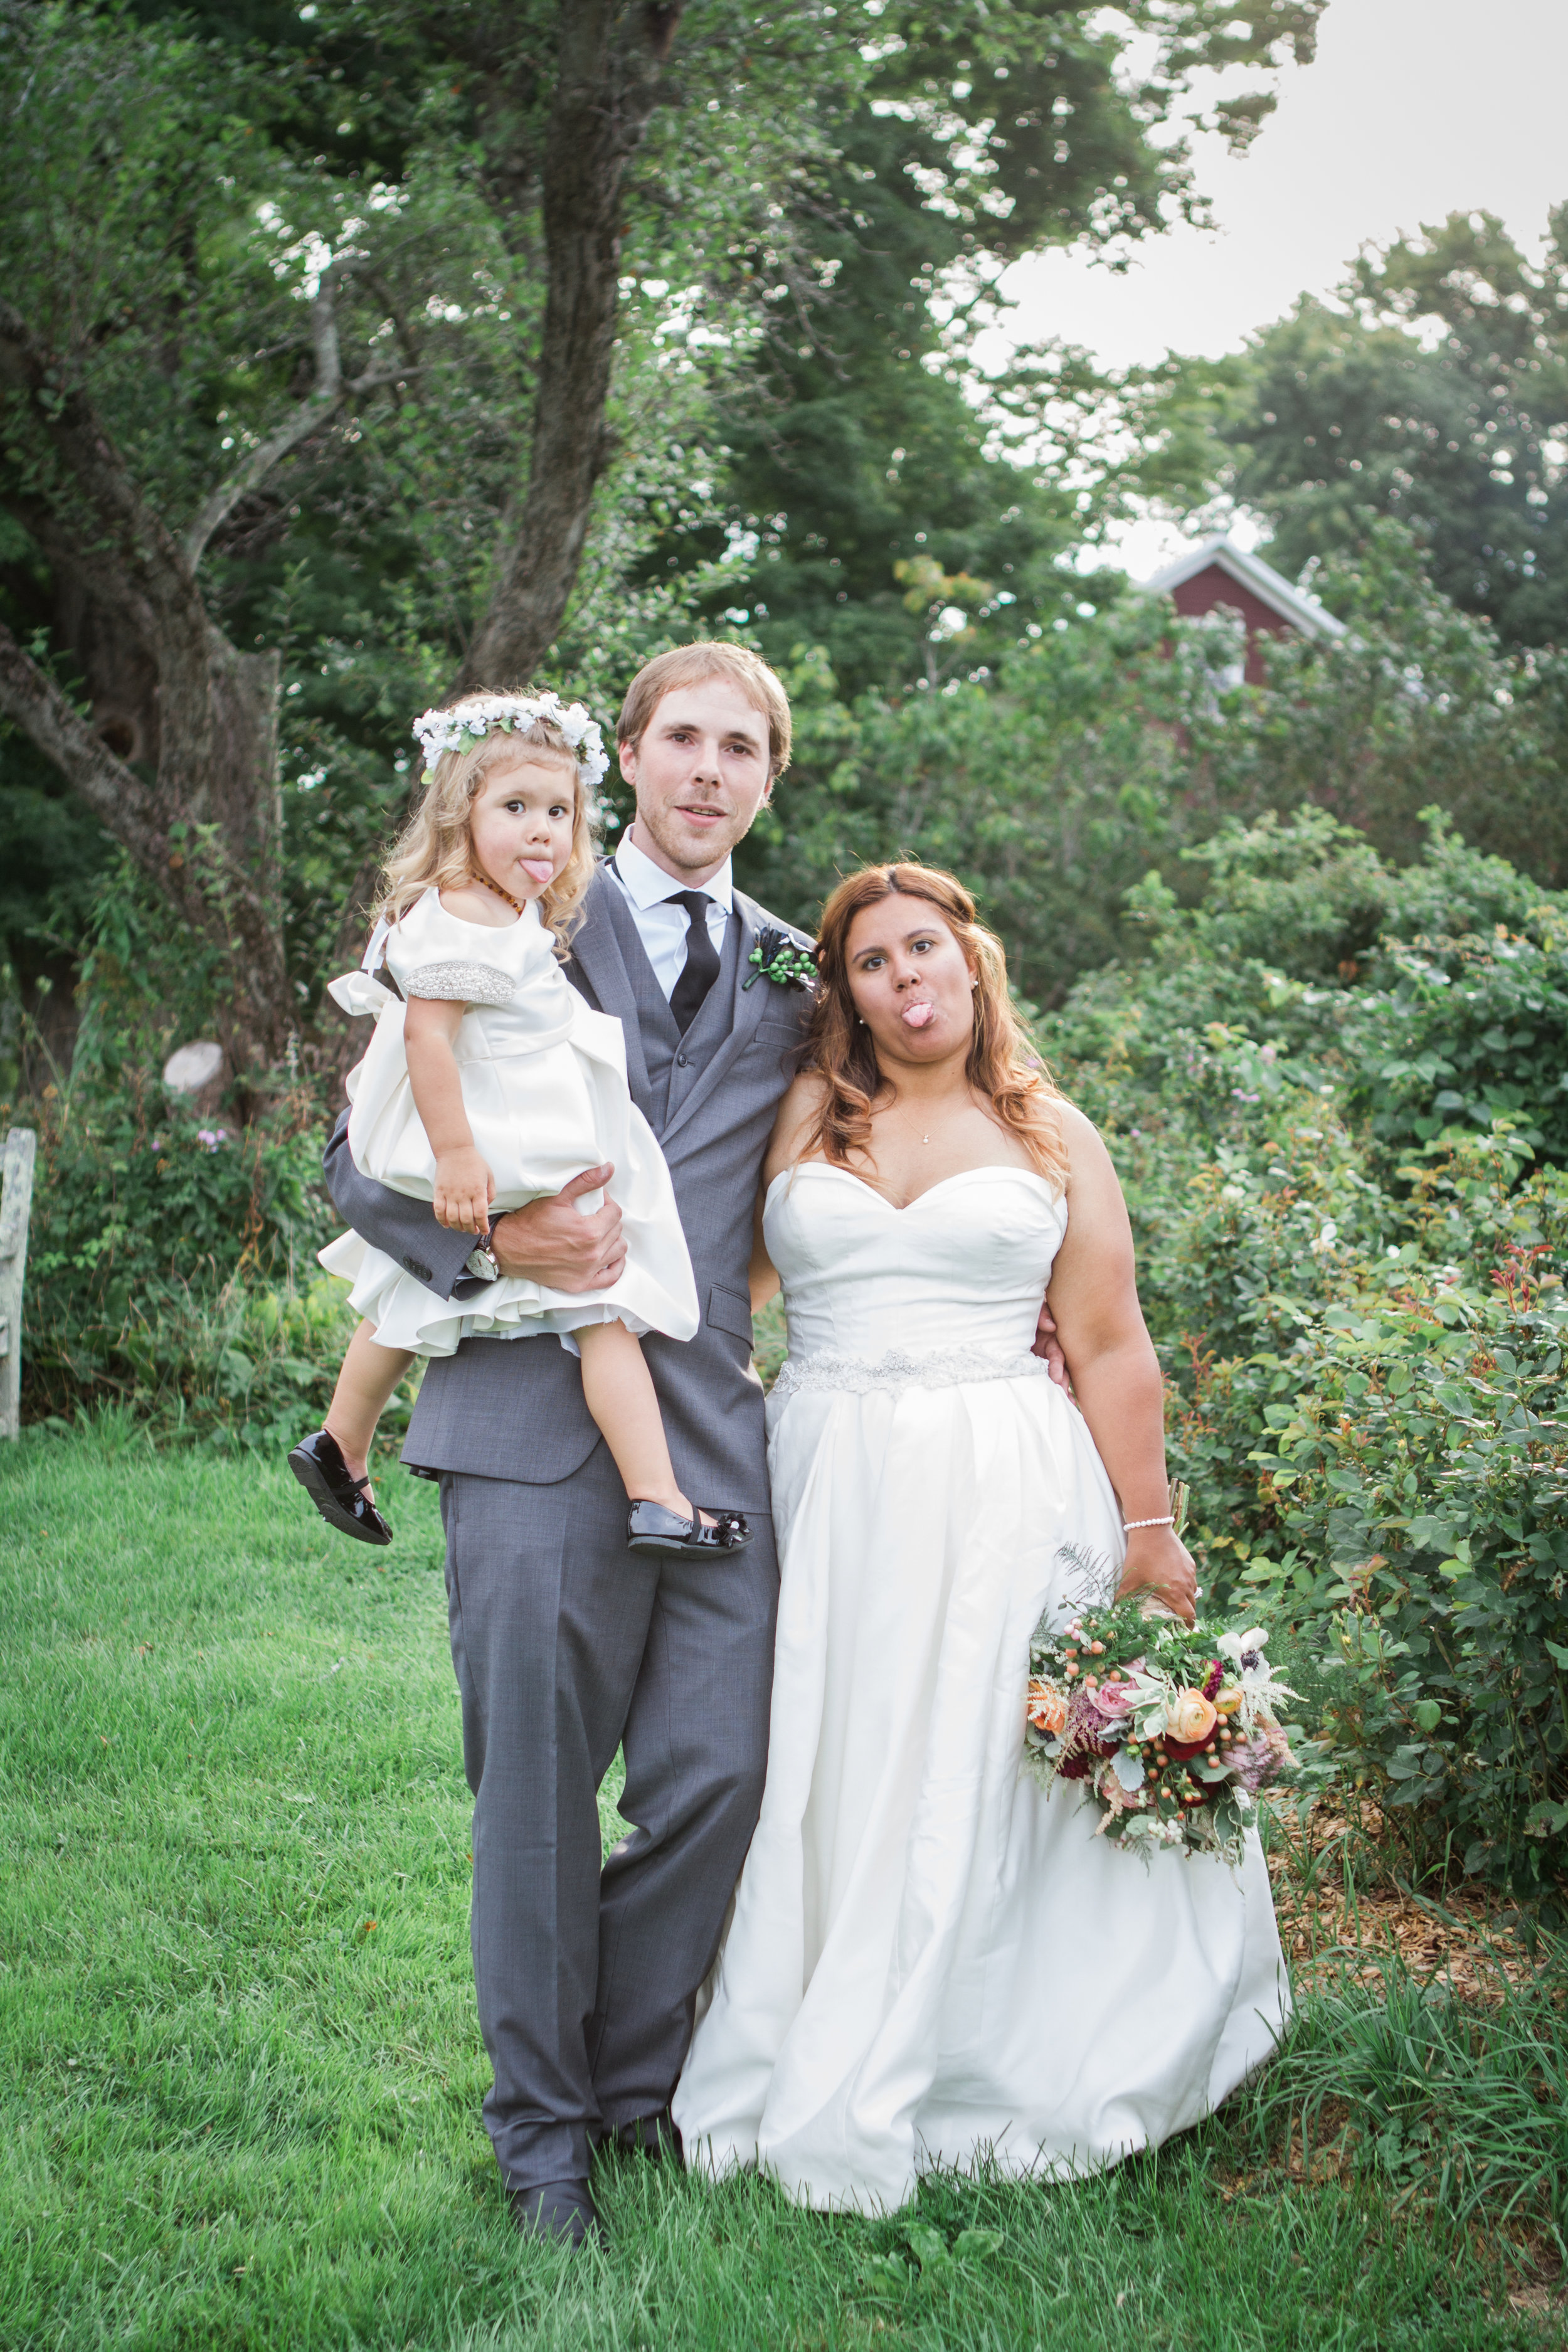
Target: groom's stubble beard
(701, 854)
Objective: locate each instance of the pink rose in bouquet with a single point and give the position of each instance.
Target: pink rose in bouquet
(1112, 1699)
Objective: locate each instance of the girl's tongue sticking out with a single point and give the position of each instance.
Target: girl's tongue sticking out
(917, 1015)
(540, 870)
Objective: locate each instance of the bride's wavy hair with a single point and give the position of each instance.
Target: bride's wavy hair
(1003, 1065)
(436, 847)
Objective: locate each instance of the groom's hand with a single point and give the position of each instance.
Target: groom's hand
(553, 1243)
(1047, 1345)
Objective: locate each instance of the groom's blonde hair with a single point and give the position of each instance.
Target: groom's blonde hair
(694, 665)
(1003, 1064)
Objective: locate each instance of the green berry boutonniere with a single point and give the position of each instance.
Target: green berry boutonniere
(781, 959)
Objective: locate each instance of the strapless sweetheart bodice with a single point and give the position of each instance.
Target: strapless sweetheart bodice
(964, 1267)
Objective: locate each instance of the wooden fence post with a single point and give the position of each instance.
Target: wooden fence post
(15, 1202)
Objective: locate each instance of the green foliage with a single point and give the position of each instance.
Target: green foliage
(1418, 705)
(1108, 744)
(1358, 1299)
(1436, 393)
(171, 1266)
(1049, 793)
(868, 508)
(1422, 1492)
(171, 1262)
(53, 854)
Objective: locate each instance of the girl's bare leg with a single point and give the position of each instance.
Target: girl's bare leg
(365, 1384)
(619, 1390)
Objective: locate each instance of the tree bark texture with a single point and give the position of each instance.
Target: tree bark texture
(612, 60)
(178, 756)
(204, 825)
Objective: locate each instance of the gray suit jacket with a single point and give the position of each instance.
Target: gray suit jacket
(514, 1409)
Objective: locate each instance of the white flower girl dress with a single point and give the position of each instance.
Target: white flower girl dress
(545, 1086)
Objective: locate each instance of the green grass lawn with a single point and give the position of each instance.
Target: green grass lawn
(242, 2075)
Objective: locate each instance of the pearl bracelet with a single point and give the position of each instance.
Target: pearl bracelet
(1168, 1521)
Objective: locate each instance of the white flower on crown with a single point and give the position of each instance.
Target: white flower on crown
(465, 725)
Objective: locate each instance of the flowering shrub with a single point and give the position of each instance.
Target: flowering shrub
(1419, 1491)
(1351, 1221)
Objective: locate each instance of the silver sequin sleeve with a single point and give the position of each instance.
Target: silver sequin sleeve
(462, 983)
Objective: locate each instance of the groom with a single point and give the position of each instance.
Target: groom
(566, 1644)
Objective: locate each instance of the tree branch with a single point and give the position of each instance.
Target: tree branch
(216, 707)
(141, 568)
(113, 791)
(328, 394)
(324, 335)
(612, 55)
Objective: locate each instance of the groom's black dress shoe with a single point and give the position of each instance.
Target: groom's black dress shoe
(318, 1464)
(563, 2210)
(651, 1528)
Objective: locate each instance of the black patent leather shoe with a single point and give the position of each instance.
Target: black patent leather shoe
(560, 2209)
(651, 1529)
(343, 1502)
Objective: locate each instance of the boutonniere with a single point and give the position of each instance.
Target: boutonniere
(781, 959)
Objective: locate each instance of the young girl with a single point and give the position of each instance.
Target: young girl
(490, 1083)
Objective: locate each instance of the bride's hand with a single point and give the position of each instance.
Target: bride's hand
(1158, 1562)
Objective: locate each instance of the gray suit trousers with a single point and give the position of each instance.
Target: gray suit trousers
(566, 1645)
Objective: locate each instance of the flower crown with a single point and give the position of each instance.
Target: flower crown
(463, 727)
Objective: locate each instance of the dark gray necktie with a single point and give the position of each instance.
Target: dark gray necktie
(701, 966)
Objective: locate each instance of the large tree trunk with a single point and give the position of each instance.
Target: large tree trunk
(612, 59)
(201, 809)
(178, 753)
(207, 830)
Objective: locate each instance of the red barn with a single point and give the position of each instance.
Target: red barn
(1219, 572)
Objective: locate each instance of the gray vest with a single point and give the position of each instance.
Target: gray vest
(513, 1408)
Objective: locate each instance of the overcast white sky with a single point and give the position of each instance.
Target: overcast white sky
(1412, 109)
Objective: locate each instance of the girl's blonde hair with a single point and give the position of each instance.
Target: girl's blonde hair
(1003, 1065)
(436, 847)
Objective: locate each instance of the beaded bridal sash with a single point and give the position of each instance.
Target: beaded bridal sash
(943, 1368)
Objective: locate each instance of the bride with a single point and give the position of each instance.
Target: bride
(930, 1961)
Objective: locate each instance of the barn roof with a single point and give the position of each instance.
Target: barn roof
(1304, 612)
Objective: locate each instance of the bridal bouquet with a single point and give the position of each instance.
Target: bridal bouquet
(1171, 1729)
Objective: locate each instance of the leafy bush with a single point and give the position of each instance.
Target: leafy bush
(171, 1265)
(1359, 1301)
(1089, 752)
(1420, 1485)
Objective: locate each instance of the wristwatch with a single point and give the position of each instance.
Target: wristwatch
(481, 1260)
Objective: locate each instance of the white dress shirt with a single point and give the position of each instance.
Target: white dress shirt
(661, 926)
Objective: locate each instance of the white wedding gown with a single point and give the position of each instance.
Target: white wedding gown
(930, 1961)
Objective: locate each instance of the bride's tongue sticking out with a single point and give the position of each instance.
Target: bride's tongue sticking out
(918, 1015)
